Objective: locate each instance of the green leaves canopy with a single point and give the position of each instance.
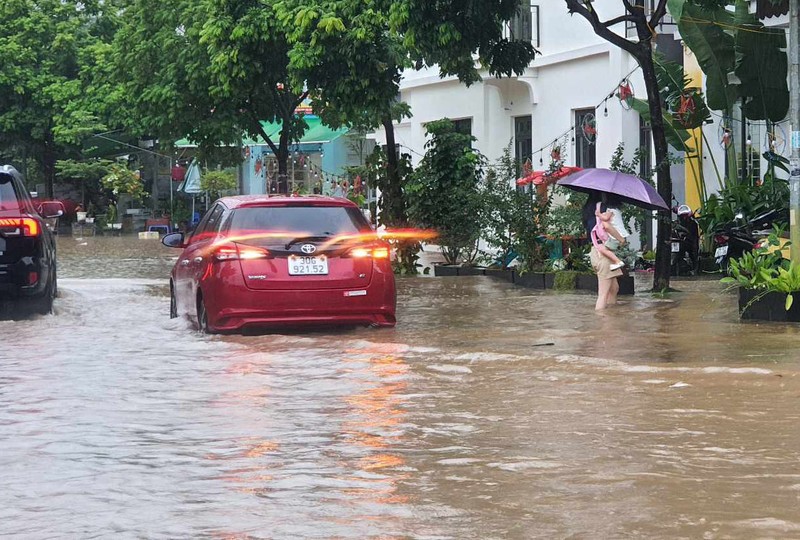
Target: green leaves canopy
(444, 190)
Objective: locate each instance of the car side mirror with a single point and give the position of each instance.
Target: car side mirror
(51, 209)
(173, 240)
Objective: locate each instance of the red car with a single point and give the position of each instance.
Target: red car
(260, 261)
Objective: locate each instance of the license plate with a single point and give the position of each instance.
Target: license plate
(721, 251)
(676, 247)
(308, 266)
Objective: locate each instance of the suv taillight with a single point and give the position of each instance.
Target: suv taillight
(21, 226)
(231, 252)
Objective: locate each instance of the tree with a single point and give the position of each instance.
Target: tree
(444, 192)
(210, 70)
(634, 13)
(50, 53)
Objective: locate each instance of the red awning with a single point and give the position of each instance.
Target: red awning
(538, 178)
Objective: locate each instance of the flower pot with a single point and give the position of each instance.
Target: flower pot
(532, 280)
(498, 273)
(643, 281)
(472, 271)
(767, 307)
(445, 270)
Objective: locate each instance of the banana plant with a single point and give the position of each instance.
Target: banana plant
(741, 58)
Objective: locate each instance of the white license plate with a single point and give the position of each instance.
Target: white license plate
(676, 247)
(307, 265)
(721, 251)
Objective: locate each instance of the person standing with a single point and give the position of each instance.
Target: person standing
(607, 284)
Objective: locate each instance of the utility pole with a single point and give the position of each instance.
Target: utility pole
(794, 111)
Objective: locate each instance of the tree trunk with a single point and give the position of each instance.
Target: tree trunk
(664, 180)
(49, 165)
(283, 163)
(395, 209)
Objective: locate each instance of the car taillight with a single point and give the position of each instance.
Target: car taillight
(232, 252)
(20, 226)
(720, 239)
(374, 252)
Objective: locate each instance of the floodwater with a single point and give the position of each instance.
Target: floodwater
(489, 412)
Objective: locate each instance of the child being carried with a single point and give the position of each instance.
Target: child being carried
(601, 232)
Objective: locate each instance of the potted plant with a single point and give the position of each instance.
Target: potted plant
(766, 282)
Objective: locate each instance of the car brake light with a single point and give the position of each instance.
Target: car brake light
(232, 252)
(375, 253)
(21, 226)
(33, 278)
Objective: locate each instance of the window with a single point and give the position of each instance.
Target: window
(523, 140)
(585, 136)
(463, 125)
(525, 24)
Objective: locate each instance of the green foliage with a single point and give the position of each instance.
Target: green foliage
(749, 199)
(216, 182)
(765, 271)
(444, 191)
(565, 280)
(448, 32)
(52, 87)
(566, 219)
(123, 181)
(514, 220)
(737, 43)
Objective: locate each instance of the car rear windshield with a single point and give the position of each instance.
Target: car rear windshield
(8, 197)
(296, 221)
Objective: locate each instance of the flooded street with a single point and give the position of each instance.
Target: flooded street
(488, 412)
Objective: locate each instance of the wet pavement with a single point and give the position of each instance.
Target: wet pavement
(488, 412)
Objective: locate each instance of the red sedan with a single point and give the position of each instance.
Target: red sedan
(259, 261)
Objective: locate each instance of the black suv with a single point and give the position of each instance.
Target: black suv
(27, 245)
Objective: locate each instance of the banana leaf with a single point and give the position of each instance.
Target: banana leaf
(704, 32)
(761, 66)
(674, 85)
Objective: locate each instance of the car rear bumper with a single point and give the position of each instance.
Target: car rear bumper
(237, 307)
(14, 279)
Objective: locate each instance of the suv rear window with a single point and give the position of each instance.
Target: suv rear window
(8, 197)
(301, 220)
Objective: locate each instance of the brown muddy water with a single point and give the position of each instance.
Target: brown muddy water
(662, 418)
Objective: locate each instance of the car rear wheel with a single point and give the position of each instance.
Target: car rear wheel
(173, 304)
(44, 304)
(202, 317)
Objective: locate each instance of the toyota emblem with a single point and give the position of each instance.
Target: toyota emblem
(308, 248)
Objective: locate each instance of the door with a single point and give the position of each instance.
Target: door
(192, 261)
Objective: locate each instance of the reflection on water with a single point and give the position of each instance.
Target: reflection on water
(665, 418)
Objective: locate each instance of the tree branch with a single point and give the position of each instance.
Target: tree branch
(658, 13)
(621, 18)
(576, 6)
(260, 129)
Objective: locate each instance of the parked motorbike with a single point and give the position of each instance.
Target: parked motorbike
(685, 243)
(739, 236)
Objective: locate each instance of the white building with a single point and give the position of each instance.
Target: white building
(570, 85)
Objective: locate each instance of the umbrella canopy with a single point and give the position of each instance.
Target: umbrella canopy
(546, 177)
(631, 189)
(191, 182)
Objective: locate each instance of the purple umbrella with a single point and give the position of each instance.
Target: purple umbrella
(631, 189)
